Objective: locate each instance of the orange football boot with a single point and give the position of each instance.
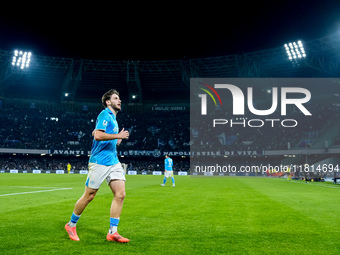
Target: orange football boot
(117, 237)
(72, 232)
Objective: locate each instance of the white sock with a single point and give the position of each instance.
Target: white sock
(113, 229)
(113, 225)
(71, 224)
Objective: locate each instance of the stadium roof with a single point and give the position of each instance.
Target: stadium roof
(51, 77)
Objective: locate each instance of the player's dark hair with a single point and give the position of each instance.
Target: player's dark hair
(107, 96)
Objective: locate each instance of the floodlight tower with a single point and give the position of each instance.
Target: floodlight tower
(21, 59)
(295, 51)
(12, 71)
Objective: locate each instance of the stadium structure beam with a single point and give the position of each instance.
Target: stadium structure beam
(214, 67)
(325, 45)
(249, 67)
(189, 70)
(323, 64)
(323, 54)
(71, 81)
(104, 65)
(42, 63)
(133, 82)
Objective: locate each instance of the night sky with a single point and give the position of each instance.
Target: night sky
(165, 31)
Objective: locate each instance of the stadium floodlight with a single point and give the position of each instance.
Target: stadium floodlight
(21, 59)
(295, 50)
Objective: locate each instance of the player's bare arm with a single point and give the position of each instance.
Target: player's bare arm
(100, 135)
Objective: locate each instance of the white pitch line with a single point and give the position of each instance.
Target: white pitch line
(29, 192)
(29, 187)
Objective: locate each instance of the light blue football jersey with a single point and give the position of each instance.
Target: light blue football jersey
(168, 164)
(105, 152)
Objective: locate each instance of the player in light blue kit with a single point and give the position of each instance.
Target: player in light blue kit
(168, 172)
(104, 165)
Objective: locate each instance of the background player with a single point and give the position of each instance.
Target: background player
(168, 172)
(69, 168)
(104, 165)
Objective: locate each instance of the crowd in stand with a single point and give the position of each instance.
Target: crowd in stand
(31, 162)
(47, 162)
(37, 128)
(43, 128)
(33, 128)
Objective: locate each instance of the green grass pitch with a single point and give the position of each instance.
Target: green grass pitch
(199, 216)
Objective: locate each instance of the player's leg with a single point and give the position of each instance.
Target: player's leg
(96, 176)
(118, 190)
(79, 207)
(116, 181)
(85, 199)
(172, 179)
(165, 177)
